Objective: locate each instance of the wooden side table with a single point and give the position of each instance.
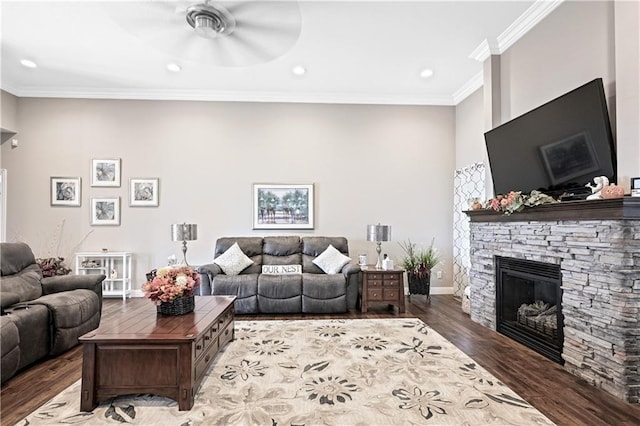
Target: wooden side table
(379, 285)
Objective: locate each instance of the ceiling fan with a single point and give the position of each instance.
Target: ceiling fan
(220, 33)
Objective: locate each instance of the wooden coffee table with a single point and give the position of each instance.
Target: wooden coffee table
(144, 352)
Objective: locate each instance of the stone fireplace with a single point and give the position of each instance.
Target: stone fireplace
(596, 245)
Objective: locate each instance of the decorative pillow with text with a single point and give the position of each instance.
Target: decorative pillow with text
(282, 269)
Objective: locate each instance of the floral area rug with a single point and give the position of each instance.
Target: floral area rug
(322, 372)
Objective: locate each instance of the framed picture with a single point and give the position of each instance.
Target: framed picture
(66, 191)
(143, 192)
(105, 211)
(635, 187)
(288, 206)
(105, 172)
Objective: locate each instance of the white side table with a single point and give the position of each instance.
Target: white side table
(114, 264)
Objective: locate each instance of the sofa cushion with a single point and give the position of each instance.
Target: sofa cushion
(279, 286)
(73, 314)
(233, 261)
(250, 246)
(34, 329)
(324, 293)
(331, 260)
(280, 250)
(10, 347)
(25, 283)
(15, 257)
(280, 293)
(312, 247)
(244, 287)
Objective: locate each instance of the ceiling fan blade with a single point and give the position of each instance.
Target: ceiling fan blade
(264, 30)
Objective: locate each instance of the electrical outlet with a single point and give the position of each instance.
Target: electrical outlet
(439, 275)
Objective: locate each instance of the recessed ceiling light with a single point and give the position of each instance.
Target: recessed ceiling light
(27, 63)
(173, 67)
(298, 70)
(426, 73)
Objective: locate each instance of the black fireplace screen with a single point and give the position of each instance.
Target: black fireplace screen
(529, 304)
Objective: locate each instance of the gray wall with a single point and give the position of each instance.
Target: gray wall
(470, 130)
(570, 47)
(388, 164)
(578, 42)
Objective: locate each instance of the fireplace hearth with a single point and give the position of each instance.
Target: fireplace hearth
(595, 244)
(529, 304)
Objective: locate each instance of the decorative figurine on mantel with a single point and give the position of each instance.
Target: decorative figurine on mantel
(596, 190)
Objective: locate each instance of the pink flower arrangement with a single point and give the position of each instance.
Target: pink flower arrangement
(515, 201)
(170, 283)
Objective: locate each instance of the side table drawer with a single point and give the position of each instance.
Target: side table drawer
(390, 294)
(392, 277)
(374, 283)
(374, 294)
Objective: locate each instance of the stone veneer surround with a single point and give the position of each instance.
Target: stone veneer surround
(600, 265)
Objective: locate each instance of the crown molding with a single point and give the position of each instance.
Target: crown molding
(484, 50)
(473, 84)
(529, 19)
(233, 96)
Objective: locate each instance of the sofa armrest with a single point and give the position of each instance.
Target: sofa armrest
(351, 272)
(350, 269)
(210, 269)
(8, 299)
(207, 273)
(61, 283)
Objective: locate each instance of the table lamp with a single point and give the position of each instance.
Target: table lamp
(379, 233)
(184, 232)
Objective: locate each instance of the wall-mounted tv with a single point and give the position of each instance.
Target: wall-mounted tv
(557, 148)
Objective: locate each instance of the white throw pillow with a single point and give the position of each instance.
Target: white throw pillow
(331, 260)
(233, 261)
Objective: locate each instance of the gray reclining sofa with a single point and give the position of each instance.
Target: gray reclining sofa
(42, 316)
(312, 291)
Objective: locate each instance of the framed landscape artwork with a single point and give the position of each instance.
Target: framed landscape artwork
(105, 211)
(105, 172)
(143, 192)
(66, 191)
(283, 206)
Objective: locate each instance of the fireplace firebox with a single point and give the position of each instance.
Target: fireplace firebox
(529, 304)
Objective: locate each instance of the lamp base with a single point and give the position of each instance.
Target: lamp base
(379, 250)
(184, 253)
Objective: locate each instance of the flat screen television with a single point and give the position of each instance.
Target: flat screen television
(556, 148)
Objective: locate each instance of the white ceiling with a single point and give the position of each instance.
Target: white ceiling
(353, 51)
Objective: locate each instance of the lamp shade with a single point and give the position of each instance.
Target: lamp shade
(378, 232)
(184, 232)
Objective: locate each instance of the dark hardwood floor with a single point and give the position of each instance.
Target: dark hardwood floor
(563, 398)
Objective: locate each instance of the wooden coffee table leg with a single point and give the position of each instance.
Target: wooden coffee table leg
(87, 391)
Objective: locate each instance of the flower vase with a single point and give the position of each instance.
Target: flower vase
(178, 306)
(419, 284)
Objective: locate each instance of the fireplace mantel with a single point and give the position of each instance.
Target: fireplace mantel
(613, 209)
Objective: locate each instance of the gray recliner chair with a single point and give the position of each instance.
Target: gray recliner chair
(313, 291)
(42, 316)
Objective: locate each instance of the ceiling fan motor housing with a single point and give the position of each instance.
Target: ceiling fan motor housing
(210, 21)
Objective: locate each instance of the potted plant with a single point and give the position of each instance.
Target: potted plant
(418, 262)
